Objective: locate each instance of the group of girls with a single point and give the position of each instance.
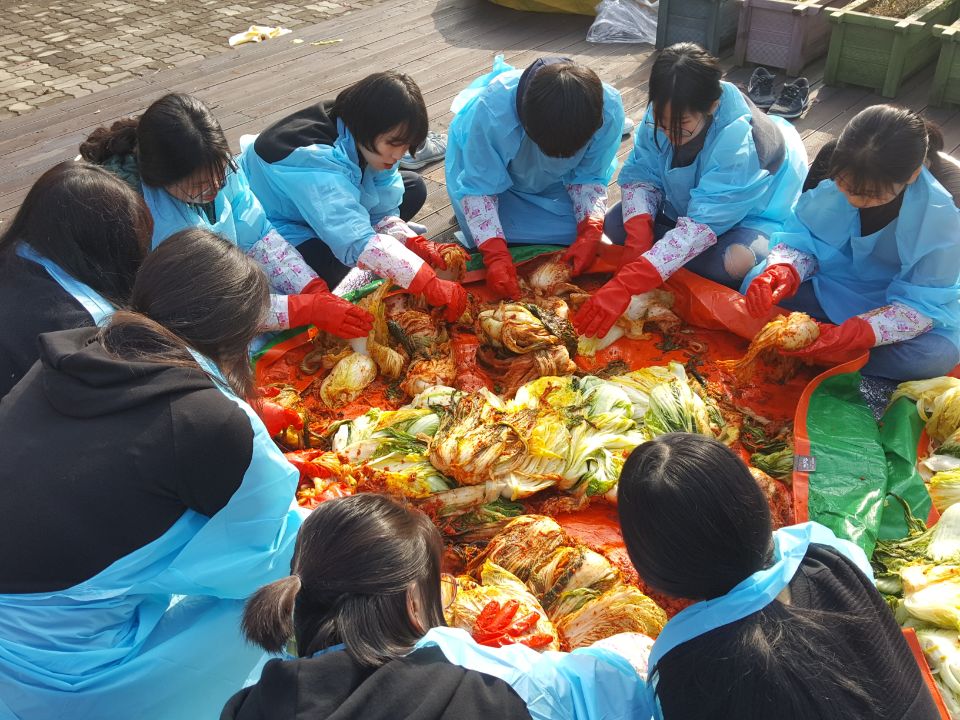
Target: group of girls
(714, 185)
(145, 498)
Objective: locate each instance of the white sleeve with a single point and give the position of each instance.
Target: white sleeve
(639, 198)
(804, 263)
(589, 200)
(683, 243)
(391, 259)
(286, 270)
(483, 217)
(896, 323)
(394, 226)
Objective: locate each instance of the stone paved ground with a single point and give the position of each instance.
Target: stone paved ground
(52, 51)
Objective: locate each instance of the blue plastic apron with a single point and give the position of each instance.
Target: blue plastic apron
(156, 635)
(94, 303)
(751, 595)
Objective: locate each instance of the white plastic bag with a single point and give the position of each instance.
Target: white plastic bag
(624, 21)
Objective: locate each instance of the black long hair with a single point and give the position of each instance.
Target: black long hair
(175, 138)
(696, 524)
(382, 102)
(89, 223)
(687, 78)
(355, 562)
(199, 291)
(882, 146)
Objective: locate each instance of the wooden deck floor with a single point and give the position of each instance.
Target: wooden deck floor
(443, 44)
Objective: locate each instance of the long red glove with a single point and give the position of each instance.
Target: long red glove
(639, 237)
(598, 314)
(316, 305)
(775, 283)
(501, 273)
(850, 336)
(432, 252)
(278, 418)
(497, 626)
(584, 248)
(440, 293)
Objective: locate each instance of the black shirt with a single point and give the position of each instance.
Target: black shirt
(750, 668)
(31, 302)
(421, 686)
(102, 456)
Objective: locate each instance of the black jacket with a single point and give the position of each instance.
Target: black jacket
(718, 676)
(102, 456)
(331, 686)
(31, 302)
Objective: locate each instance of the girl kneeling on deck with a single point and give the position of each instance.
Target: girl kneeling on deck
(177, 157)
(143, 500)
(873, 248)
(529, 156)
(67, 259)
(787, 624)
(364, 606)
(710, 178)
(327, 177)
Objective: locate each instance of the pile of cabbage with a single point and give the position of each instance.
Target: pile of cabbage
(474, 451)
(938, 403)
(919, 575)
(577, 595)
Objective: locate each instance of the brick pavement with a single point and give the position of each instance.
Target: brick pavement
(52, 51)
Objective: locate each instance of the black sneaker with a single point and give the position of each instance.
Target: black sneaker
(793, 100)
(760, 88)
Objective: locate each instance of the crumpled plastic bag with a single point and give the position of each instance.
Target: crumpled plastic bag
(257, 33)
(624, 21)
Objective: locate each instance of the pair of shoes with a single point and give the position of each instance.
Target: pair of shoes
(790, 103)
(628, 126)
(431, 150)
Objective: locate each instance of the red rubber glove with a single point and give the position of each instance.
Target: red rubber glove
(776, 283)
(584, 248)
(501, 273)
(440, 293)
(851, 336)
(598, 314)
(329, 313)
(639, 237)
(278, 418)
(432, 252)
(317, 285)
(497, 626)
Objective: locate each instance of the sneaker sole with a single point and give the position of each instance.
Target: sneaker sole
(790, 115)
(417, 164)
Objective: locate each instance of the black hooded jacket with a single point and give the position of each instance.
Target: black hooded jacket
(421, 686)
(102, 456)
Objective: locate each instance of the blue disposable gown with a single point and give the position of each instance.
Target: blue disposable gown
(99, 308)
(320, 191)
(912, 261)
(488, 153)
(156, 635)
(239, 215)
(725, 186)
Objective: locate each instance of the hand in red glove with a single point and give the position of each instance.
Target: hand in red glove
(278, 418)
(328, 312)
(639, 237)
(851, 336)
(776, 283)
(440, 293)
(584, 248)
(598, 314)
(317, 285)
(497, 626)
(501, 273)
(432, 252)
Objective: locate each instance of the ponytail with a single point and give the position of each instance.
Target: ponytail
(106, 142)
(268, 614)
